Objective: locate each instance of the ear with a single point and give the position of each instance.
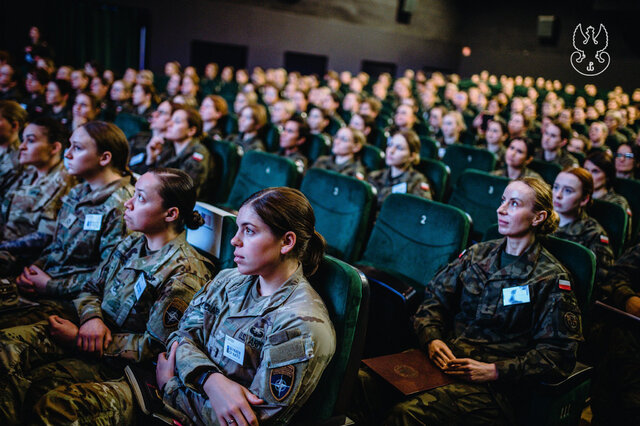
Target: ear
(357, 148)
(56, 148)
(288, 242)
(586, 200)
(105, 158)
(563, 142)
(540, 217)
(172, 214)
(528, 161)
(192, 131)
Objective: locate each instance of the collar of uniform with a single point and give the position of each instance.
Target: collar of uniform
(189, 149)
(520, 269)
(237, 295)
(10, 147)
(97, 197)
(153, 262)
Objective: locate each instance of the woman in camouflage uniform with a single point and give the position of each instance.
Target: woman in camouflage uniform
(89, 223)
(345, 157)
(501, 315)
(254, 342)
(126, 311)
(517, 157)
(572, 193)
(402, 153)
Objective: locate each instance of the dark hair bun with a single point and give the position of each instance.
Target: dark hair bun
(194, 221)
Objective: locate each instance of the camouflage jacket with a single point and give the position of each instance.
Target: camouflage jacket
(138, 152)
(623, 279)
(10, 167)
(195, 160)
(564, 160)
(353, 167)
(32, 203)
(587, 231)
(252, 144)
(526, 172)
(615, 198)
(90, 224)
(464, 306)
(499, 155)
(141, 295)
(409, 182)
(282, 343)
(298, 158)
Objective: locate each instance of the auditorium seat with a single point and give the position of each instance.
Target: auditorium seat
(342, 206)
(372, 157)
(428, 147)
(614, 220)
(461, 157)
(226, 157)
(438, 174)
(316, 146)
(131, 124)
(259, 170)
(630, 189)
(479, 194)
(547, 170)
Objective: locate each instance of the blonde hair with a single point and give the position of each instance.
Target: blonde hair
(543, 201)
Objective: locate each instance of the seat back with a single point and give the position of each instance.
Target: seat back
(614, 220)
(271, 137)
(131, 124)
(372, 157)
(226, 156)
(345, 293)
(260, 170)
(461, 157)
(479, 194)
(428, 147)
(581, 263)
(213, 239)
(547, 170)
(438, 174)
(316, 146)
(630, 189)
(413, 237)
(342, 206)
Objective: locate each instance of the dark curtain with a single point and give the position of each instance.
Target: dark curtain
(77, 31)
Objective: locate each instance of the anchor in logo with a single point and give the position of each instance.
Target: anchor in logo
(592, 46)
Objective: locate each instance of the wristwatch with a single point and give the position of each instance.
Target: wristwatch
(202, 379)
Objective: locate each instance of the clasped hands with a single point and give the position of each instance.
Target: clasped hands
(463, 368)
(92, 336)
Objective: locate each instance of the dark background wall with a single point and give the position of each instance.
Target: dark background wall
(502, 35)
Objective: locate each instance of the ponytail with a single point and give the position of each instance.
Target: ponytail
(314, 253)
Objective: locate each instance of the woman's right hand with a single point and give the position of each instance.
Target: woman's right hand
(231, 402)
(94, 336)
(166, 367)
(440, 353)
(154, 148)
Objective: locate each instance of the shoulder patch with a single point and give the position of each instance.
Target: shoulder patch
(571, 321)
(425, 186)
(281, 381)
(629, 212)
(462, 254)
(604, 239)
(197, 156)
(359, 176)
(173, 313)
(564, 284)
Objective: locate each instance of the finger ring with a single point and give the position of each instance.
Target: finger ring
(230, 421)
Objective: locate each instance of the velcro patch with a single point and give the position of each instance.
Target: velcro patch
(359, 176)
(281, 381)
(629, 212)
(571, 321)
(564, 284)
(173, 312)
(604, 239)
(197, 156)
(425, 186)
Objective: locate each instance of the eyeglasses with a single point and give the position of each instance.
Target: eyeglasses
(628, 155)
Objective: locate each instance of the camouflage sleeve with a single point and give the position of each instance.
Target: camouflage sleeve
(198, 167)
(292, 363)
(69, 286)
(164, 318)
(191, 356)
(623, 277)
(30, 244)
(420, 186)
(555, 338)
(433, 318)
(604, 258)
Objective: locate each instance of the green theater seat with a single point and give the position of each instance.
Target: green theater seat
(226, 157)
(438, 174)
(547, 170)
(131, 124)
(259, 170)
(345, 292)
(461, 157)
(372, 157)
(316, 146)
(428, 147)
(412, 238)
(630, 189)
(614, 220)
(479, 194)
(342, 206)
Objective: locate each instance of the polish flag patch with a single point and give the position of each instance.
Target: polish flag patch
(359, 176)
(629, 212)
(197, 156)
(425, 186)
(604, 239)
(564, 284)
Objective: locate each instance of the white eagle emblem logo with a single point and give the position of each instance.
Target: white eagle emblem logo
(590, 58)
